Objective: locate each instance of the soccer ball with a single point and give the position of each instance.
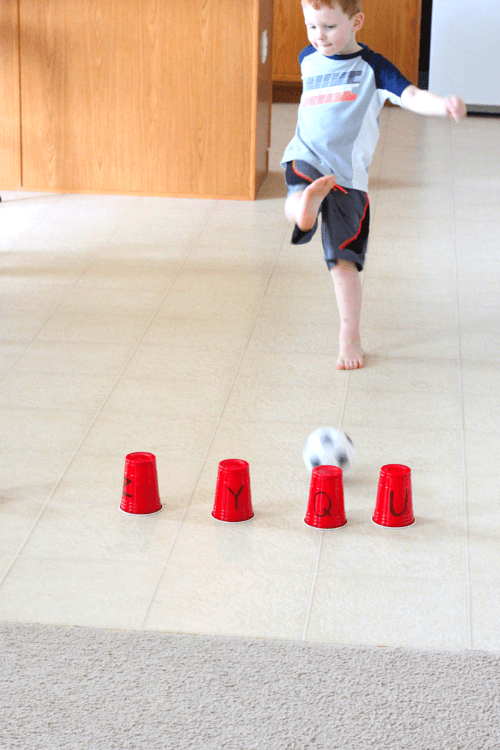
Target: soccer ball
(330, 447)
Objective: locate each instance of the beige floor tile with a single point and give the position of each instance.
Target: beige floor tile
(96, 327)
(30, 475)
(92, 593)
(71, 531)
(401, 292)
(114, 433)
(127, 274)
(103, 301)
(10, 353)
(43, 430)
(430, 549)
(475, 238)
(388, 612)
(484, 552)
(404, 375)
(137, 397)
(408, 263)
(60, 391)
(473, 271)
(483, 498)
(198, 334)
(482, 414)
(19, 513)
(217, 301)
(409, 316)
(390, 343)
(481, 451)
(23, 326)
(428, 450)
(477, 346)
(480, 319)
(269, 543)
(21, 295)
(418, 410)
(76, 357)
(486, 291)
(174, 227)
(426, 231)
(182, 364)
(480, 378)
(485, 598)
(416, 202)
(251, 603)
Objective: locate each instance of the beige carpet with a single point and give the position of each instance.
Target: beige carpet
(88, 688)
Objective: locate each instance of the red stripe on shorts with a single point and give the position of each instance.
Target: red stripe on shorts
(344, 244)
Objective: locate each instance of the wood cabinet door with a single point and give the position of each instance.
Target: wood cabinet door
(10, 119)
(391, 28)
(139, 96)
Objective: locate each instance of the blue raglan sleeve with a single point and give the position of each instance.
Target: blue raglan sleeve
(390, 81)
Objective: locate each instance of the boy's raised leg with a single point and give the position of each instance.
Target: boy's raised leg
(348, 292)
(302, 206)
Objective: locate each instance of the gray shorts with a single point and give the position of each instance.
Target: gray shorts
(345, 217)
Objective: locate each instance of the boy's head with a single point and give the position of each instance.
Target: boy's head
(332, 25)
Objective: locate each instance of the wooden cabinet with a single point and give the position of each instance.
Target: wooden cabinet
(138, 96)
(10, 116)
(391, 28)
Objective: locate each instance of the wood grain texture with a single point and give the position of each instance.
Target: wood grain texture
(10, 120)
(390, 28)
(139, 96)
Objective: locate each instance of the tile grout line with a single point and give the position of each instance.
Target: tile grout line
(468, 600)
(30, 532)
(210, 440)
(312, 589)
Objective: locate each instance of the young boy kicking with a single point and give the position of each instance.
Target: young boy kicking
(345, 85)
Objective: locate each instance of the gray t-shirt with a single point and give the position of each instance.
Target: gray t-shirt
(338, 124)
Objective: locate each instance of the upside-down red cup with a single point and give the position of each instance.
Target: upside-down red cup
(233, 501)
(140, 485)
(325, 509)
(394, 507)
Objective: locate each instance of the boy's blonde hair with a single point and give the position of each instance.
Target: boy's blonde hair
(348, 7)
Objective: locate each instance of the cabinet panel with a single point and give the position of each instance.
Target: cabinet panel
(140, 96)
(10, 123)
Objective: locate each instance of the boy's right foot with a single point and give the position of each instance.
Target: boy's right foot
(312, 198)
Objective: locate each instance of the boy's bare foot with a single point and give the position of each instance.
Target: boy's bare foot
(312, 198)
(350, 355)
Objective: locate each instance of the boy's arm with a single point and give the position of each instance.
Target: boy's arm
(424, 103)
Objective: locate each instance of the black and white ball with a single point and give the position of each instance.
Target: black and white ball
(327, 446)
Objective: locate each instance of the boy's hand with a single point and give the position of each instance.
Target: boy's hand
(454, 108)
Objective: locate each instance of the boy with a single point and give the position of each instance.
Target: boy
(345, 85)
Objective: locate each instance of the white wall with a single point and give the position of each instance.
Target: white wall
(465, 50)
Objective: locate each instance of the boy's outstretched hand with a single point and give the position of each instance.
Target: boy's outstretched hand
(455, 108)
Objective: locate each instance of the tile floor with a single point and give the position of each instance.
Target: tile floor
(194, 330)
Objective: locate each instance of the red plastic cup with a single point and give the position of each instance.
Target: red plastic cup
(394, 508)
(325, 509)
(140, 485)
(233, 501)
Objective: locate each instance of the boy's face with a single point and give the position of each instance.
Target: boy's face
(330, 31)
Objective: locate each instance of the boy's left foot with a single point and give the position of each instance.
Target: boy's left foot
(350, 355)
